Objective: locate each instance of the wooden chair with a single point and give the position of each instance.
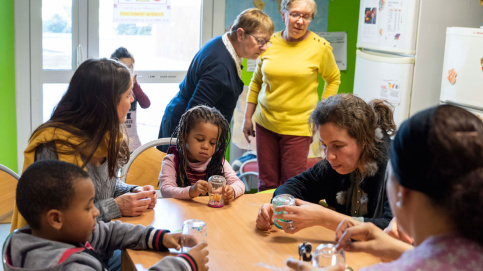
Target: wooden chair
(145, 162)
(8, 183)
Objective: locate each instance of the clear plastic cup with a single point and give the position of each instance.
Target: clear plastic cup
(281, 200)
(193, 232)
(326, 255)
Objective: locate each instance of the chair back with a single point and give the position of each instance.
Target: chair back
(249, 175)
(145, 162)
(8, 183)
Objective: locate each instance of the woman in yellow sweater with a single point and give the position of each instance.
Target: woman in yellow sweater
(284, 86)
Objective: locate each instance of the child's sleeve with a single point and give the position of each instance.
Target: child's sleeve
(118, 235)
(181, 262)
(233, 180)
(141, 97)
(167, 180)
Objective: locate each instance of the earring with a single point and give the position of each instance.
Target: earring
(399, 202)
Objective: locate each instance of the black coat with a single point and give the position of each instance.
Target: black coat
(323, 182)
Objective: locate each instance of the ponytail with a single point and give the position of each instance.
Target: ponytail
(384, 115)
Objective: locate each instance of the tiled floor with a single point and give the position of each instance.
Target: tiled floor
(4, 231)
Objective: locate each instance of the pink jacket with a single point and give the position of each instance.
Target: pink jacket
(169, 188)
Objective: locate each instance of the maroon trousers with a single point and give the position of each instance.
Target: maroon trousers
(280, 157)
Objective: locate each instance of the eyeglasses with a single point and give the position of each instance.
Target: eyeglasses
(260, 42)
(296, 17)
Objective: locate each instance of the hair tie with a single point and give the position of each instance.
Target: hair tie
(378, 133)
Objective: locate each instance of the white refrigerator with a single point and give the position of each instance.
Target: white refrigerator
(462, 77)
(400, 49)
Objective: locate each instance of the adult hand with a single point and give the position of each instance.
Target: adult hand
(153, 196)
(134, 79)
(200, 255)
(248, 129)
(265, 217)
(133, 204)
(303, 266)
(172, 240)
(370, 239)
(229, 193)
(393, 230)
(303, 215)
(201, 187)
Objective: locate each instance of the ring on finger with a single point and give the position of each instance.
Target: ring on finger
(291, 226)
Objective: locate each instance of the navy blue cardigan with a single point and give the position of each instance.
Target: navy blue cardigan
(212, 79)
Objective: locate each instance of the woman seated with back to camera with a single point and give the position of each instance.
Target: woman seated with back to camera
(352, 177)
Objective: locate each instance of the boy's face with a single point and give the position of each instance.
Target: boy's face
(79, 219)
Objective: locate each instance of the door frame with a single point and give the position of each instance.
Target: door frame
(27, 82)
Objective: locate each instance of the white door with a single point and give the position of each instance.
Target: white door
(56, 36)
(387, 77)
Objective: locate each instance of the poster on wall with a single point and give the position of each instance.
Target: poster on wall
(142, 11)
(338, 41)
(272, 9)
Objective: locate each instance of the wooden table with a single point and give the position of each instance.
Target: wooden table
(234, 242)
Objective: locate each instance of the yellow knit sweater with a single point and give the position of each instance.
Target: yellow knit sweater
(285, 82)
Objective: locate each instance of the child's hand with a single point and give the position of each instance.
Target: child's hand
(199, 188)
(229, 193)
(200, 254)
(172, 240)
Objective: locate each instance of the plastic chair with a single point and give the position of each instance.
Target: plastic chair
(249, 175)
(269, 191)
(145, 162)
(8, 183)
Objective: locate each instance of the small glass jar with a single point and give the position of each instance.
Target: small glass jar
(326, 255)
(281, 200)
(216, 191)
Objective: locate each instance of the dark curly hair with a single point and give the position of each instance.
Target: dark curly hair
(360, 120)
(46, 185)
(188, 120)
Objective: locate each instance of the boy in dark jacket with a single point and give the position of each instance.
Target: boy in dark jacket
(57, 200)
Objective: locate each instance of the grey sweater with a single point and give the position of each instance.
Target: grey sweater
(107, 189)
(28, 252)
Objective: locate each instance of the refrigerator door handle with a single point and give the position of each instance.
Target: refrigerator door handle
(462, 105)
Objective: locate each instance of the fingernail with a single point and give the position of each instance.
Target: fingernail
(154, 192)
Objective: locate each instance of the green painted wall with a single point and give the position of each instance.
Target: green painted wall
(343, 16)
(8, 134)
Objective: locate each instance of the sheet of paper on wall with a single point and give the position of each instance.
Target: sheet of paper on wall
(251, 65)
(146, 11)
(338, 41)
